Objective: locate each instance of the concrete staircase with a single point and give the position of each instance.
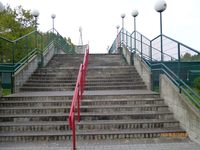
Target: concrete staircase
(116, 104)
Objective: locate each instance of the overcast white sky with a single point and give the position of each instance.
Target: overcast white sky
(98, 19)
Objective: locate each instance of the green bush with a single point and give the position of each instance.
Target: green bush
(197, 84)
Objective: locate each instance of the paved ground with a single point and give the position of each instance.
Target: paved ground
(107, 145)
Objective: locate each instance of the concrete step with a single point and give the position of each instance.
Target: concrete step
(118, 87)
(65, 60)
(71, 88)
(88, 83)
(87, 116)
(94, 135)
(87, 125)
(84, 108)
(127, 75)
(97, 69)
(112, 95)
(87, 78)
(99, 102)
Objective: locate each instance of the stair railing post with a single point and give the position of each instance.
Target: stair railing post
(78, 97)
(74, 134)
(179, 65)
(141, 48)
(13, 68)
(82, 79)
(150, 51)
(131, 47)
(126, 38)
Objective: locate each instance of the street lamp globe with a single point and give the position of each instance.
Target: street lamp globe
(35, 13)
(117, 27)
(123, 15)
(53, 16)
(135, 13)
(1, 7)
(160, 6)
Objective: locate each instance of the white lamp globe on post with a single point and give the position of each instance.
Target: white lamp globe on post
(135, 14)
(53, 16)
(123, 16)
(160, 6)
(35, 13)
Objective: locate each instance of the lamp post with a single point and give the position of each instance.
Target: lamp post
(35, 13)
(135, 14)
(117, 38)
(123, 16)
(53, 16)
(160, 6)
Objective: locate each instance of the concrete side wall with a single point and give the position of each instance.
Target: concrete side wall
(127, 55)
(49, 54)
(143, 70)
(22, 75)
(182, 108)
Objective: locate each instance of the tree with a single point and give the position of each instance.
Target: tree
(15, 23)
(188, 57)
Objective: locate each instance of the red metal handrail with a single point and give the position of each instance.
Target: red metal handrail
(78, 94)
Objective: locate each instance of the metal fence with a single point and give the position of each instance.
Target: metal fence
(16, 53)
(178, 61)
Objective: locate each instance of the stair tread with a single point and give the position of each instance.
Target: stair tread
(47, 123)
(89, 114)
(96, 132)
(92, 86)
(87, 106)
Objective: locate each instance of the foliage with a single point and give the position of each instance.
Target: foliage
(71, 45)
(15, 23)
(188, 57)
(197, 84)
(6, 92)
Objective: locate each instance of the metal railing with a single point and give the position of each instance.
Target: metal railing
(78, 93)
(171, 61)
(16, 53)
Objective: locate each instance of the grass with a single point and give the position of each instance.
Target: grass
(6, 92)
(193, 97)
(156, 89)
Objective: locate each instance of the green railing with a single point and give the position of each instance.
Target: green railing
(171, 61)
(16, 53)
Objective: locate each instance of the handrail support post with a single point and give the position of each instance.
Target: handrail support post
(74, 135)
